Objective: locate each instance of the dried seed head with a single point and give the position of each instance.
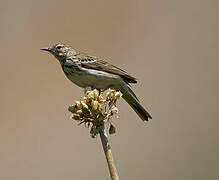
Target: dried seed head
(100, 99)
(76, 116)
(78, 104)
(84, 105)
(90, 95)
(118, 95)
(109, 95)
(85, 99)
(94, 104)
(101, 107)
(95, 109)
(96, 94)
(79, 111)
(87, 92)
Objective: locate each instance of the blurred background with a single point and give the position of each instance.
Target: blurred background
(170, 46)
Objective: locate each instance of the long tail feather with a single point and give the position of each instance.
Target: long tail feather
(131, 99)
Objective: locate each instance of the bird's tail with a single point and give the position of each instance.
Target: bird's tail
(132, 100)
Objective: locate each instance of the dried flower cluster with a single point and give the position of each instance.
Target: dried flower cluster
(96, 109)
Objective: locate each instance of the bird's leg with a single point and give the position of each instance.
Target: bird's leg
(90, 88)
(100, 91)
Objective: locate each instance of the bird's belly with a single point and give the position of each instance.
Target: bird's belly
(94, 78)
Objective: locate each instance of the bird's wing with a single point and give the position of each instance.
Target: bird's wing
(91, 62)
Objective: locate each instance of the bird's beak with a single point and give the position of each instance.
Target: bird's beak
(46, 49)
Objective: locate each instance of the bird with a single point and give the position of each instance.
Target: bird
(90, 72)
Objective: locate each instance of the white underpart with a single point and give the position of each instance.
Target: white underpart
(93, 78)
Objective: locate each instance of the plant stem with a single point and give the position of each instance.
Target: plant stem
(108, 153)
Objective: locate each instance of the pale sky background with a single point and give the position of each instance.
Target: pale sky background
(171, 46)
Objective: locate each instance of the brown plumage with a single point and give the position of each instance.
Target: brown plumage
(92, 62)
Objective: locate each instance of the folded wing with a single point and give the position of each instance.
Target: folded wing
(91, 62)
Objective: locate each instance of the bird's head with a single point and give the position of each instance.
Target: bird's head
(60, 51)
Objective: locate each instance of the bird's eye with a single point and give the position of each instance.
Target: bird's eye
(59, 46)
